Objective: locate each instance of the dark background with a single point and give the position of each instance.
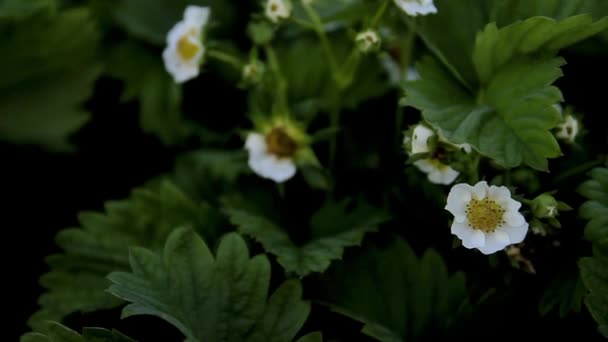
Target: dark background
(43, 192)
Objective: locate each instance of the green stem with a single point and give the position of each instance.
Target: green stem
(406, 52)
(334, 123)
(226, 58)
(577, 170)
(379, 14)
(474, 169)
(281, 101)
(304, 24)
(317, 26)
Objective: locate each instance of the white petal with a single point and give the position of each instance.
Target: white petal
(516, 234)
(476, 239)
(176, 33)
(180, 70)
(480, 190)
(513, 205)
(420, 138)
(466, 147)
(458, 198)
(190, 28)
(414, 8)
(449, 175)
(412, 74)
(255, 143)
(500, 194)
(425, 165)
(269, 166)
(197, 15)
(435, 176)
(495, 242)
(514, 218)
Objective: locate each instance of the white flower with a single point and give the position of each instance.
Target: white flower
(272, 155)
(436, 171)
(417, 7)
(252, 72)
(568, 129)
(486, 217)
(367, 41)
(420, 138)
(185, 49)
(277, 10)
(412, 74)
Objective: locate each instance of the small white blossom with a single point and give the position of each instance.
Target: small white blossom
(277, 10)
(568, 129)
(436, 171)
(417, 7)
(271, 155)
(485, 217)
(420, 138)
(412, 74)
(185, 50)
(367, 41)
(252, 72)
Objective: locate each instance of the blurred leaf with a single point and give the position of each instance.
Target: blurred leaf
(564, 293)
(335, 15)
(207, 298)
(147, 81)
(56, 332)
(594, 270)
(19, 9)
(333, 228)
(398, 296)
(312, 337)
(48, 70)
(77, 281)
(505, 12)
(152, 20)
(316, 177)
(206, 173)
(313, 80)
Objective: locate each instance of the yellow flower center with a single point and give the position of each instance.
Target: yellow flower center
(187, 48)
(485, 214)
(280, 143)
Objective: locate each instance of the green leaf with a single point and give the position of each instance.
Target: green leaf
(511, 119)
(564, 293)
(596, 208)
(594, 272)
(77, 281)
(495, 48)
(333, 228)
(205, 173)
(312, 337)
(152, 20)
(19, 9)
(56, 332)
(398, 296)
(313, 80)
(207, 298)
(451, 37)
(505, 12)
(147, 81)
(46, 60)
